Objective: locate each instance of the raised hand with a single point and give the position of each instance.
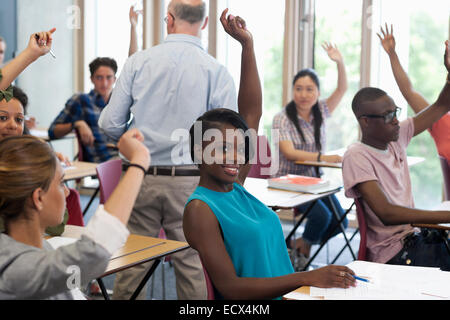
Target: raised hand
(134, 15)
(332, 51)
(388, 40)
(40, 43)
(131, 146)
(236, 27)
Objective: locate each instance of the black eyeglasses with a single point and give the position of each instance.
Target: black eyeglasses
(388, 117)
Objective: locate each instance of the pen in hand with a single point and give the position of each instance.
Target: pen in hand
(360, 279)
(36, 36)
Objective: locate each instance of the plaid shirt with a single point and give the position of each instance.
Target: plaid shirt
(86, 107)
(288, 132)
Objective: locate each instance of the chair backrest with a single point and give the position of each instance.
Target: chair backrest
(209, 285)
(108, 174)
(445, 165)
(255, 170)
(362, 230)
(73, 205)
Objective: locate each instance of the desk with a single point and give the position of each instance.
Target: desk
(411, 162)
(137, 250)
(387, 282)
(80, 170)
(43, 134)
(281, 199)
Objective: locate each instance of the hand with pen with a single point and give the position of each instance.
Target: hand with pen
(35, 49)
(333, 277)
(40, 43)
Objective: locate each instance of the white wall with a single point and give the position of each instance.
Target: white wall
(48, 82)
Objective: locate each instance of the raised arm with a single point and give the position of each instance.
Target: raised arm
(342, 85)
(34, 50)
(414, 98)
(121, 201)
(133, 33)
(433, 113)
(250, 92)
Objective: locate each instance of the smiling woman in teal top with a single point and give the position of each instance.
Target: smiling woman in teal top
(240, 240)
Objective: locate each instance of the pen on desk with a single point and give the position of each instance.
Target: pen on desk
(36, 36)
(360, 279)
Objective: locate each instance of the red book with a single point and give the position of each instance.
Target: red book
(298, 183)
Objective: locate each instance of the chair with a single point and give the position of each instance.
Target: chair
(362, 225)
(255, 170)
(445, 165)
(108, 174)
(73, 205)
(209, 284)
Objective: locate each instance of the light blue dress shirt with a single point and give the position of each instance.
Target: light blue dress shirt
(165, 89)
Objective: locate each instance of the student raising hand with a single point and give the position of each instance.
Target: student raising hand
(235, 27)
(35, 49)
(131, 146)
(332, 51)
(388, 40)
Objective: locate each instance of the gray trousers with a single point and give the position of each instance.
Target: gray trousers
(160, 204)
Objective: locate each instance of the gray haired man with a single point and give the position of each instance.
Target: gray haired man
(167, 88)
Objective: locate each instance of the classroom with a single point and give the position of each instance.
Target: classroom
(224, 150)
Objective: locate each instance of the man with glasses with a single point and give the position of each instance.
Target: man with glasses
(167, 88)
(376, 172)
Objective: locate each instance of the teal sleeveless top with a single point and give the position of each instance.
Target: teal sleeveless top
(252, 232)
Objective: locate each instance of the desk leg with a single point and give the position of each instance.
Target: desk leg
(289, 236)
(345, 246)
(339, 220)
(145, 280)
(90, 201)
(103, 289)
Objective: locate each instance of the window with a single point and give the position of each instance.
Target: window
(340, 24)
(266, 22)
(428, 29)
(107, 32)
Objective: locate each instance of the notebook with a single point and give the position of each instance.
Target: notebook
(298, 183)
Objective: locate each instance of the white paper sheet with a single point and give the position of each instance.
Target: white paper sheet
(57, 242)
(392, 282)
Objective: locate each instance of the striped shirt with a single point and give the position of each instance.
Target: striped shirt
(288, 132)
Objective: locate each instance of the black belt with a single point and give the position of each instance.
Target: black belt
(174, 171)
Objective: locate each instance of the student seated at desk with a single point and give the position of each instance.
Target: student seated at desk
(32, 197)
(440, 130)
(375, 170)
(12, 123)
(82, 112)
(239, 240)
(302, 128)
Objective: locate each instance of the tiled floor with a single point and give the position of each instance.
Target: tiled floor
(326, 255)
